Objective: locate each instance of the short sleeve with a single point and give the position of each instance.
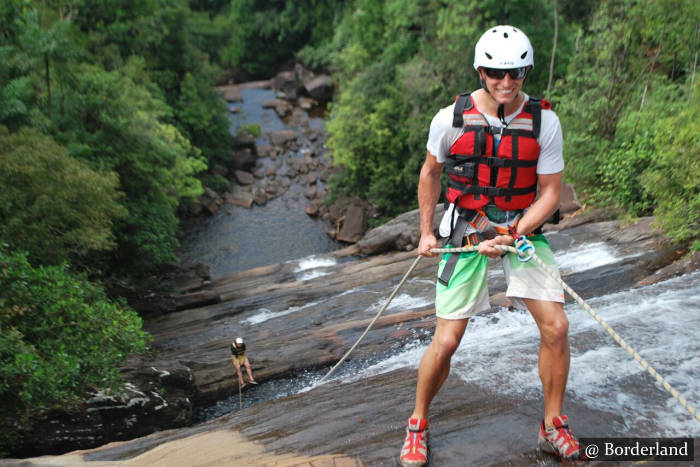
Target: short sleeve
(442, 134)
(551, 158)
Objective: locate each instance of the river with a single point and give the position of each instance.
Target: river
(235, 238)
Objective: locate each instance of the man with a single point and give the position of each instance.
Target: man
(498, 147)
(239, 357)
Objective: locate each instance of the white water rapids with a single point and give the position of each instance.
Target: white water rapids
(499, 351)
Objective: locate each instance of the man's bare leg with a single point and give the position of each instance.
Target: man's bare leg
(554, 353)
(240, 376)
(249, 371)
(435, 364)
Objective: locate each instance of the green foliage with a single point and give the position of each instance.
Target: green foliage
(252, 129)
(628, 80)
(43, 200)
(207, 130)
(266, 34)
(619, 73)
(60, 337)
(113, 123)
(673, 180)
(124, 87)
(176, 45)
(216, 182)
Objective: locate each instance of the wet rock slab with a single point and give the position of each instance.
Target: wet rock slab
(363, 421)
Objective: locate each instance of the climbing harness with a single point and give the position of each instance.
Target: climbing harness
(525, 251)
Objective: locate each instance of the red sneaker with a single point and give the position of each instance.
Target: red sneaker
(415, 449)
(559, 440)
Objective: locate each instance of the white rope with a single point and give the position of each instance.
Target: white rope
(376, 317)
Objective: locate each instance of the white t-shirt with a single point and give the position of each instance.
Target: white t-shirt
(443, 135)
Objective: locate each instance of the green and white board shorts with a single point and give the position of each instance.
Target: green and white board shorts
(467, 293)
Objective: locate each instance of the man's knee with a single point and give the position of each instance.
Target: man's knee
(446, 344)
(555, 329)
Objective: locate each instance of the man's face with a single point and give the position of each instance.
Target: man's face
(504, 90)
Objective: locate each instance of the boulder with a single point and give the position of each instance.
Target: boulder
(244, 178)
(302, 74)
(271, 189)
(281, 106)
(231, 93)
(300, 167)
(259, 196)
(154, 398)
(243, 159)
(244, 140)
(286, 85)
(311, 178)
(196, 299)
(312, 209)
(401, 233)
(354, 225)
(259, 172)
(686, 265)
(320, 88)
(307, 103)
(568, 202)
(240, 197)
(310, 193)
(195, 208)
(265, 151)
(281, 137)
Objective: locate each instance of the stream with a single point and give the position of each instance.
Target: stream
(236, 238)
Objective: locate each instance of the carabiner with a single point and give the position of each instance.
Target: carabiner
(522, 246)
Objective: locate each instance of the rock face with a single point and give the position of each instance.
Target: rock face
(153, 400)
(332, 307)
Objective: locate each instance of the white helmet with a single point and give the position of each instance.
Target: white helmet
(239, 340)
(503, 47)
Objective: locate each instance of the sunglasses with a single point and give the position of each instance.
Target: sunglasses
(514, 73)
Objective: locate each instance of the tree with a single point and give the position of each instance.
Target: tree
(44, 207)
(113, 123)
(60, 338)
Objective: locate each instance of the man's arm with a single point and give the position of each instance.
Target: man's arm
(547, 203)
(428, 195)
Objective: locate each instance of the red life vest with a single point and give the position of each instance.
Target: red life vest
(478, 173)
